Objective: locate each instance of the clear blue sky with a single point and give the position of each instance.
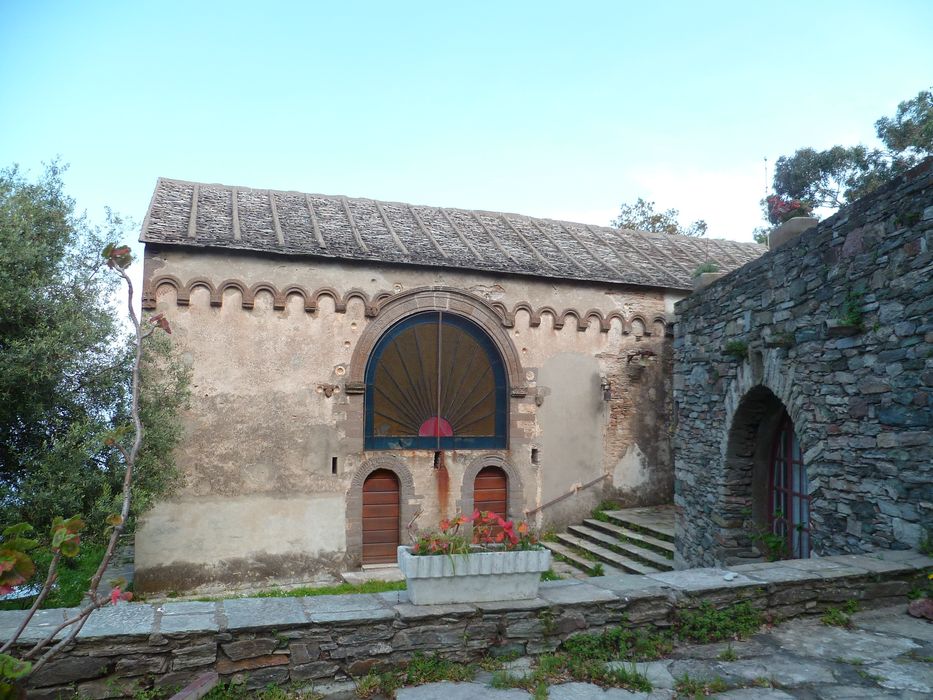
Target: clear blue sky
(542, 108)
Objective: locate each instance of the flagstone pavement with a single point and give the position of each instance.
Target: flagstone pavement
(885, 654)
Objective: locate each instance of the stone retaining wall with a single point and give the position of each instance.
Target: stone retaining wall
(274, 640)
(860, 397)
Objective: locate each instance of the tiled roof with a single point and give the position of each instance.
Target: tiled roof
(291, 223)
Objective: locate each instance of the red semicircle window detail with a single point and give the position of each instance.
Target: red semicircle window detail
(436, 427)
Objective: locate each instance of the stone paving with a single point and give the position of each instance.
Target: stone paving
(885, 654)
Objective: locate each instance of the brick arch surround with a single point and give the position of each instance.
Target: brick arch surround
(754, 403)
(407, 497)
(516, 490)
(455, 301)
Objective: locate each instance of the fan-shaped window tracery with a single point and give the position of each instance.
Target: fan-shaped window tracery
(435, 381)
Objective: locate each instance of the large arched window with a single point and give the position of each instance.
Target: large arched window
(435, 381)
(789, 501)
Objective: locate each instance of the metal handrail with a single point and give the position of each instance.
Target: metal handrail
(576, 489)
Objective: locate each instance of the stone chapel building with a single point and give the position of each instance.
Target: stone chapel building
(358, 366)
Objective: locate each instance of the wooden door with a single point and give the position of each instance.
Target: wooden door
(491, 491)
(381, 517)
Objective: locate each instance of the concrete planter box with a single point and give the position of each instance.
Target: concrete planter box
(704, 279)
(789, 230)
(481, 577)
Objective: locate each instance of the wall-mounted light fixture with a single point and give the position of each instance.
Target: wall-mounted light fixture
(605, 386)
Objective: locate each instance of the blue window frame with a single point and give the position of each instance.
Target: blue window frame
(436, 381)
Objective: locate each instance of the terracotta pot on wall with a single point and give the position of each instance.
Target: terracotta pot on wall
(790, 230)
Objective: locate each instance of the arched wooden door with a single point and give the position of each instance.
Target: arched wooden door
(381, 517)
(491, 491)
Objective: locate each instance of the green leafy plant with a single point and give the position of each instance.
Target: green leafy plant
(697, 688)
(490, 531)
(707, 624)
(597, 569)
(703, 268)
(840, 617)
(17, 566)
(736, 349)
(852, 310)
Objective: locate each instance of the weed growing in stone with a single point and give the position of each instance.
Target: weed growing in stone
(597, 569)
(707, 624)
(698, 688)
(420, 670)
(839, 617)
(550, 575)
(736, 349)
(728, 654)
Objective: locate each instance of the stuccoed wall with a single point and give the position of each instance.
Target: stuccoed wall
(861, 404)
(270, 409)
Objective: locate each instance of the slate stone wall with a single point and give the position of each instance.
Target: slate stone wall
(123, 651)
(860, 403)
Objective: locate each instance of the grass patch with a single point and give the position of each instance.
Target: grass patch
(420, 670)
(550, 575)
(620, 643)
(307, 591)
(840, 617)
(74, 577)
(707, 624)
(599, 512)
(238, 691)
(728, 654)
(698, 688)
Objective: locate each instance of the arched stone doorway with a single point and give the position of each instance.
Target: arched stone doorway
(513, 492)
(763, 504)
(356, 498)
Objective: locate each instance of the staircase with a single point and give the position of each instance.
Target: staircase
(628, 541)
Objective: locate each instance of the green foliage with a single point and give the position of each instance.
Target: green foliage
(641, 216)
(708, 266)
(728, 654)
(630, 644)
(926, 543)
(707, 624)
(910, 133)
(305, 591)
(840, 617)
(420, 670)
(597, 569)
(736, 349)
(65, 365)
(852, 310)
(74, 577)
(841, 174)
(550, 575)
(699, 688)
(237, 690)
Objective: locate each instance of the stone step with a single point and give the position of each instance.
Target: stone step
(614, 559)
(657, 522)
(626, 549)
(660, 546)
(574, 558)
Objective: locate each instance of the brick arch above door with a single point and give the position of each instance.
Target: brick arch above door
(516, 490)
(448, 299)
